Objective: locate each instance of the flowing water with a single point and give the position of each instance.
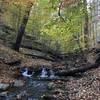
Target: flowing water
(43, 73)
(33, 89)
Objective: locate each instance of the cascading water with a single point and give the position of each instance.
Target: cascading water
(52, 75)
(25, 72)
(35, 87)
(44, 73)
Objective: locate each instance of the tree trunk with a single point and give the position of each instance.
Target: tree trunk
(22, 27)
(86, 30)
(3, 8)
(77, 70)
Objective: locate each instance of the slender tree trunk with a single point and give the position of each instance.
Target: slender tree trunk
(22, 27)
(3, 6)
(86, 29)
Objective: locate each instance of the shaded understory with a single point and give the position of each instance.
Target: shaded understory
(82, 86)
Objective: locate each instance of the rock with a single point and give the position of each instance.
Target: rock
(3, 95)
(48, 97)
(13, 62)
(50, 86)
(58, 92)
(91, 58)
(3, 98)
(21, 95)
(19, 83)
(4, 86)
(32, 98)
(11, 95)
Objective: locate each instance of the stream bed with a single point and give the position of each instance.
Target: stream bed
(32, 90)
(35, 88)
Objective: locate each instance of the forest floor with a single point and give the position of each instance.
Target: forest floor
(85, 86)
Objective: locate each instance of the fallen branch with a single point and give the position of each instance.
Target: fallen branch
(48, 52)
(13, 62)
(77, 70)
(48, 79)
(41, 57)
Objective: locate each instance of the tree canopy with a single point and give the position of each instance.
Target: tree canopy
(57, 24)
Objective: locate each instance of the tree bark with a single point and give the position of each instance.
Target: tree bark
(86, 29)
(41, 57)
(50, 52)
(77, 70)
(22, 27)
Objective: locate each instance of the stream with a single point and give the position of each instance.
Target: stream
(34, 88)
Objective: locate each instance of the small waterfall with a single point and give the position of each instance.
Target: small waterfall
(44, 73)
(52, 75)
(26, 73)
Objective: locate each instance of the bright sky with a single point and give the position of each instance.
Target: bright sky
(88, 4)
(89, 1)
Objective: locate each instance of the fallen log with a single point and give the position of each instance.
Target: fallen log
(38, 47)
(48, 79)
(49, 97)
(13, 62)
(49, 52)
(77, 70)
(48, 55)
(39, 56)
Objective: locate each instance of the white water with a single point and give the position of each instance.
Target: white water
(44, 73)
(25, 73)
(52, 75)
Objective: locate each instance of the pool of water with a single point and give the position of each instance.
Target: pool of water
(35, 87)
(32, 90)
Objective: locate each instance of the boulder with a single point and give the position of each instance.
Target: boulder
(19, 83)
(4, 86)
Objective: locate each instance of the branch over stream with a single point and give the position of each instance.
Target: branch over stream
(77, 70)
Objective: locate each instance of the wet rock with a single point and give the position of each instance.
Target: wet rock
(13, 62)
(7, 95)
(32, 98)
(58, 92)
(40, 86)
(49, 97)
(2, 98)
(3, 95)
(91, 58)
(12, 95)
(21, 95)
(19, 83)
(51, 86)
(4, 86)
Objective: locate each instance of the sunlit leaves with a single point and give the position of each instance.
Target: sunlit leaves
(64, 31)
(46, 25)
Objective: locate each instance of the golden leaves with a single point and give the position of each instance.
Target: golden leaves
(68, 2)
(20, 2)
